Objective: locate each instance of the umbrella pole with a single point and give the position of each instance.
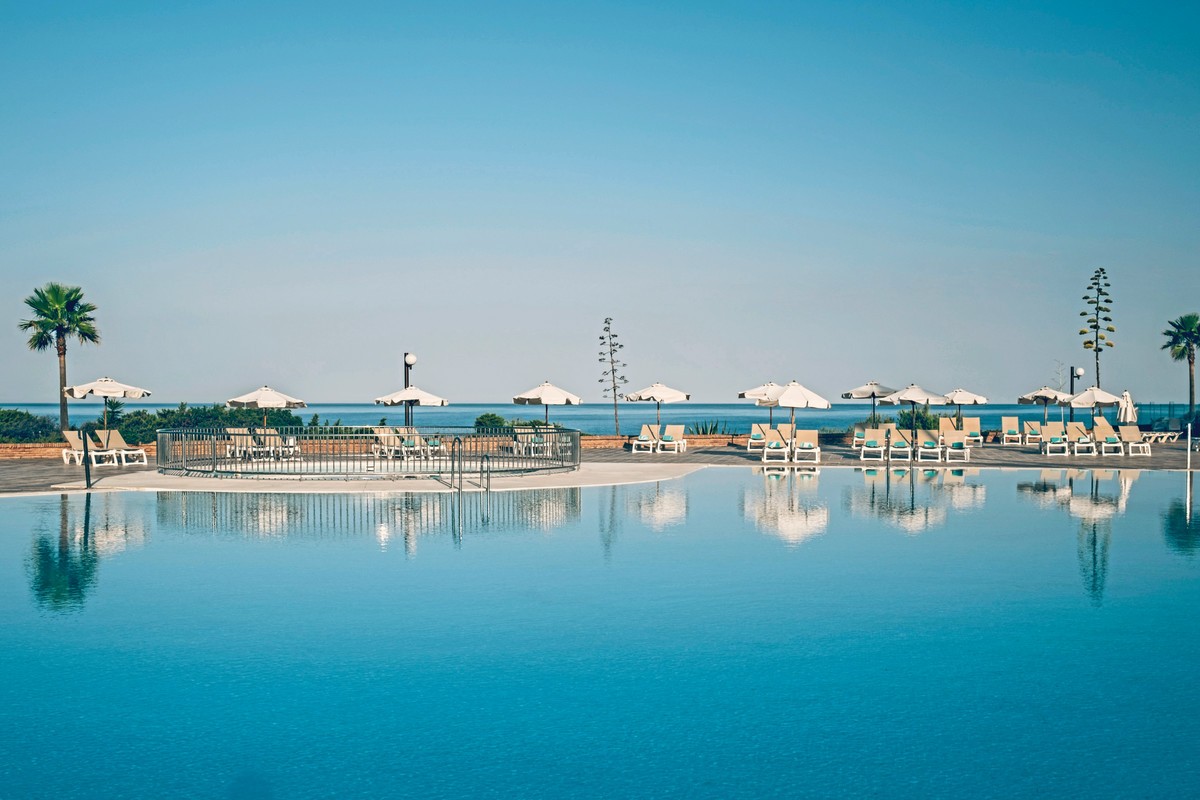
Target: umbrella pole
(872, 409)
(547, 407)
(771, 415)
(657, 412)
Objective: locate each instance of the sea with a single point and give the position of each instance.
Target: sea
(598, 418)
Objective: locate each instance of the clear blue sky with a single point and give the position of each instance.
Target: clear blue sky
(296, 194)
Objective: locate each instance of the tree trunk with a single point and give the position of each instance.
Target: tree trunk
(1097, 340)
(61, 344)
(1192, 382)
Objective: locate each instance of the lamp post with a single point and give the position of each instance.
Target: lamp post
(409, 360)
(1076, 372)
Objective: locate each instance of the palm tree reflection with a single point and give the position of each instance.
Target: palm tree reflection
(62, 569)
(1181, 521)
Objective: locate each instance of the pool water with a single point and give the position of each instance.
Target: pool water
(732, 634)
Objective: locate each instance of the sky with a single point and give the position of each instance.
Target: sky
(298, 194)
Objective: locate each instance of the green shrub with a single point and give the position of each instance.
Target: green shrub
(21, 426)
(489, 420)
(709, 428)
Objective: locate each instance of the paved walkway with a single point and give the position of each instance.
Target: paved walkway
(599, 468)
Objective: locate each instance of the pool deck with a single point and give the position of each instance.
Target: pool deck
(599, 468)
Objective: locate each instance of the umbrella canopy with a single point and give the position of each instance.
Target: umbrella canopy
(1127, 413)
(412, 395)
(264, 398)
(914, 395)
(961, 397)
(870, 389)
(658, 394)
(795, 396)
(764, 395)
(547, 394)
(105, 387)
(1044, 397)
(1092, 397)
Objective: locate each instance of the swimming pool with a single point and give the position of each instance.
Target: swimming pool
(732, 634)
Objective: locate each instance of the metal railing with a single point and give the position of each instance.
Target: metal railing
(343, 452)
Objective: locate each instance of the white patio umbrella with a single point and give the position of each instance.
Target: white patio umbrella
(1127, 413)
(105, 387)
(913, 395)
(660, 394)
(265, 398)
(763, 395)
(1093, 397)
(961, 397)
(413, 396)
(870, 389)
(1043, 397)
(547, 394)
(796, 396)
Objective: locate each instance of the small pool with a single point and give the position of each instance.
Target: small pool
(733, 634)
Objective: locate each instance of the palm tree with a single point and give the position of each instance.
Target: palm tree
(1183, 337)
(59, 313)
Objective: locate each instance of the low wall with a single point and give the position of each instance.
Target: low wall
(695, 442)
(11, 452)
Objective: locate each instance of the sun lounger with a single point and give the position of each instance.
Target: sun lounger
(945, 426)
(1107, 438)
(899, 446)
(273, 445)
(858, 435)
(956, 447)
(758, 436)
(927, 447)
(74, 449)
(241, 443)
(1131, 437)
(973, 429)
(99, 455)
(1010, 431)
(646, 441)
(775, 448)
(1054, 439)
(1080, 439)
(1033, 432)
(112, 440)
(806, 447)
(874, 446)
(387, 443)
(787, 431)
(672, 439)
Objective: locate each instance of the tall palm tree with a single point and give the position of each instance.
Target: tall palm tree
(1183, 337)
(60, 312)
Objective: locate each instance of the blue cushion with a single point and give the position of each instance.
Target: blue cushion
(929, 445)
(668, 438)
(1011, 432)
(973, 434)
(957, 446)
(775, 445)
(806, 446)
(409, 443)
(872, 443)
(756, 436)
(1056, 440)
(643, 438)
(1111, 439)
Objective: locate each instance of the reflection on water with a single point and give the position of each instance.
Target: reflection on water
(388, 518)
(659, 507)
(787, 505)
(1094, 497)
(70, 542)
(1181, 521)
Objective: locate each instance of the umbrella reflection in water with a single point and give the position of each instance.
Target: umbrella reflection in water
(788, 505)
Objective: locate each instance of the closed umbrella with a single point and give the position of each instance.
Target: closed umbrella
(412, 396)
(870, 389)
(914, 395)
(659, 394)
(1127, 413)
(961, 397)
(764, 395)
(265, 398)
(796, 396)
(547, 394)
(105, 387)
(1044, 397)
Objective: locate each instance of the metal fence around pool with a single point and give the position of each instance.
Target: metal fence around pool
(333, 452)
